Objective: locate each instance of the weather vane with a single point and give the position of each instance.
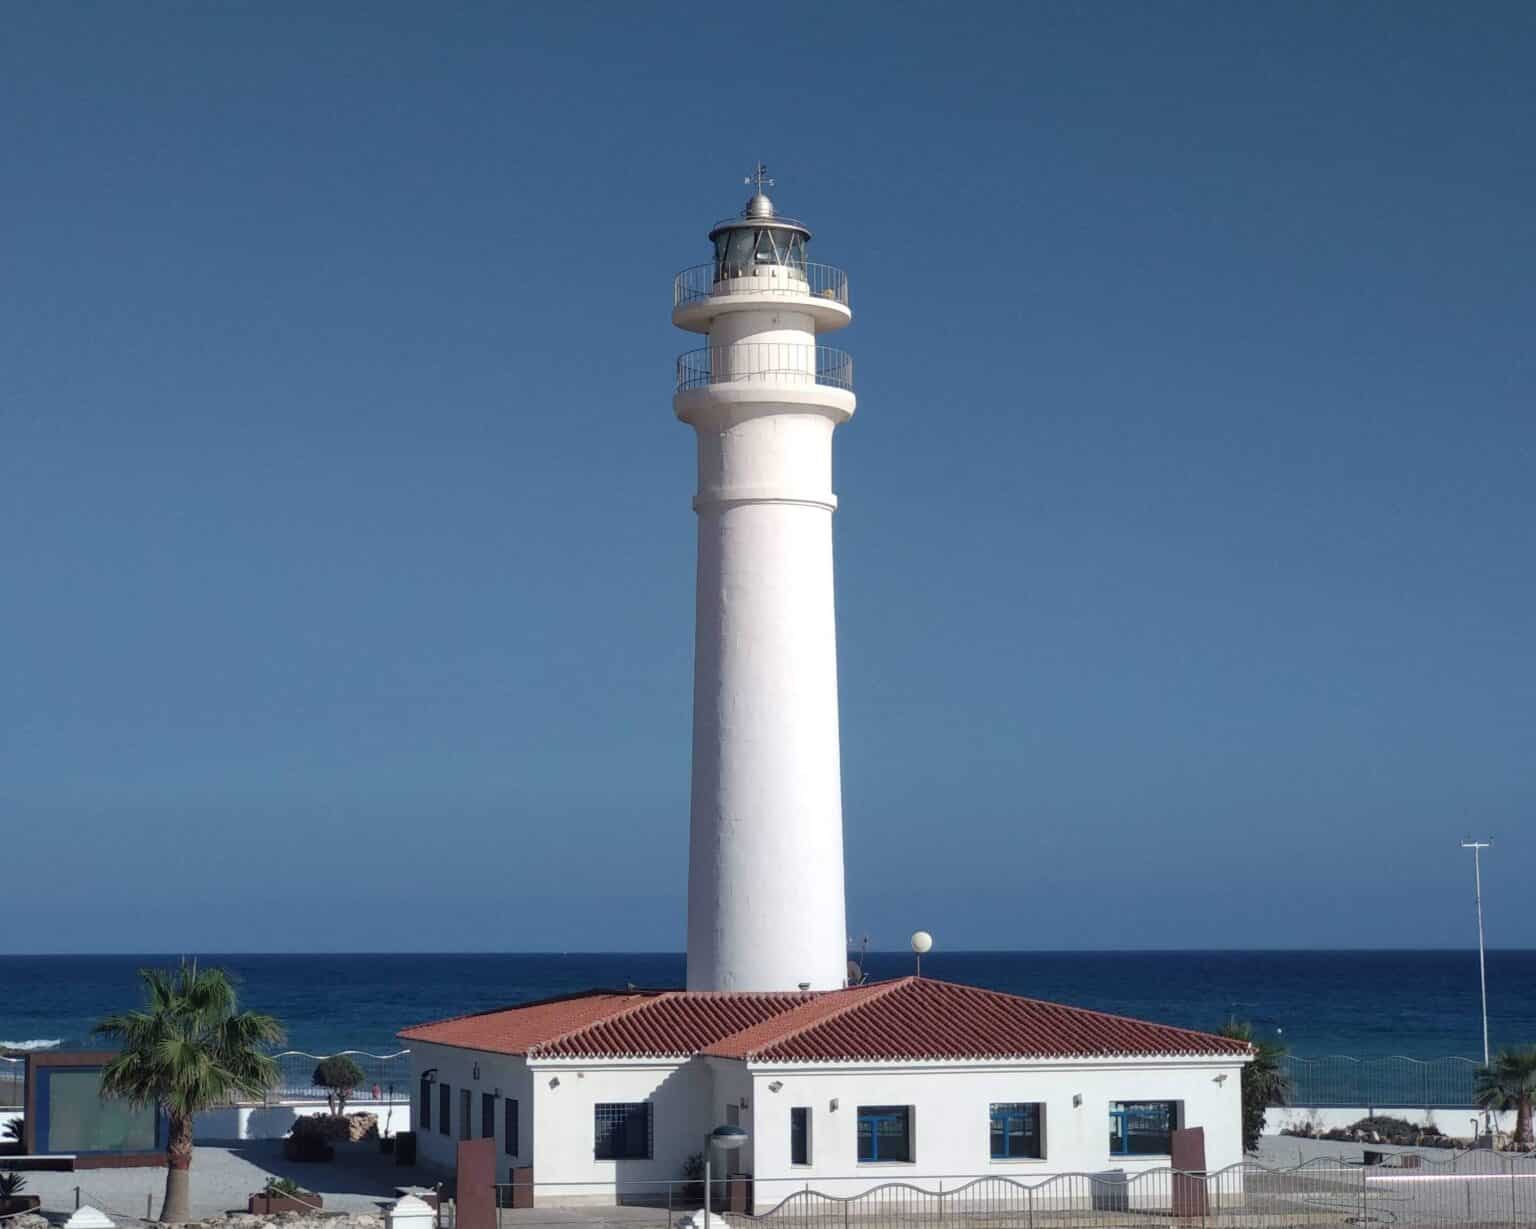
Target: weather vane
(759, 177)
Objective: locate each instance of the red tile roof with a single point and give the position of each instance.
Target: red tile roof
(907, 1019)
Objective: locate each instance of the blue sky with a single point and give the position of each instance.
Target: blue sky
(1185, 544)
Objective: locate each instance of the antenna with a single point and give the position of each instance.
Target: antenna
(759, 177)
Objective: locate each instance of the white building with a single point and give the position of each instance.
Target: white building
(606, 1095)
(840, 1088)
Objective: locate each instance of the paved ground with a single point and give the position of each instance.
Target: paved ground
(224, 1176)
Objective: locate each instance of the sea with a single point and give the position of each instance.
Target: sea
(1422, 1004)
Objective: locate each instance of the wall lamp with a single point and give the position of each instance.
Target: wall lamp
(430, 1075)
(477, 1071)
(776, 1085)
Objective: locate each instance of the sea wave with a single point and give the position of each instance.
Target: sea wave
(35, 1044)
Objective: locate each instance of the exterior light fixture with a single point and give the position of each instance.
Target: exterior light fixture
(833, 1106)
(477, 1071)
(1077, 1100)
(776, 1085)
(430, 1075)
(554, 1081)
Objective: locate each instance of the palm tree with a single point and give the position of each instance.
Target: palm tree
(1509, 1083)
(1265, 1082)
(188, 1049)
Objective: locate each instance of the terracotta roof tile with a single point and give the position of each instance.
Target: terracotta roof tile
(677, 1024)
(922, 1019)
(910, 1019)
(515, 1030)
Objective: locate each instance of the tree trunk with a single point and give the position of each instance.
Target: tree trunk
(1523, 1121)
(177, 1207)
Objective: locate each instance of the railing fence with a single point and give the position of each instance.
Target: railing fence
(1388, 1082)
(1470, 1189)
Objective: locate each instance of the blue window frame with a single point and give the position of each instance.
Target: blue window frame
(1142, 1128)
(444, 1110)
(1016, 1131)
(622, 1131)
(426, 1104)
(885, 1133)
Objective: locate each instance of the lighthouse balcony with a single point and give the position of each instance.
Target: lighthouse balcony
(772, 363)
(706, 291)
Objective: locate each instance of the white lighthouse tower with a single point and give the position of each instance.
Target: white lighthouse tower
(765, 858)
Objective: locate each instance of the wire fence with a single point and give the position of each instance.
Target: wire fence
(1381, 1083)
(386, 1077)
(1410, 1190)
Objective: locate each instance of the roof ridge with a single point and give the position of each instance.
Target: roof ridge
(645, 1001)
(884, 988)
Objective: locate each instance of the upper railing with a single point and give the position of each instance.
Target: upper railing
(768, 362)
(817, 281)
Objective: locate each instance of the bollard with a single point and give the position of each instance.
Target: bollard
(77, 1199)
(149, 1205)
(409, 1212)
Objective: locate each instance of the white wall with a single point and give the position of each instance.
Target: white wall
(456, 1067)
(951, 1119)
(275, 1121)
(1456, 1122)
(564, 1094)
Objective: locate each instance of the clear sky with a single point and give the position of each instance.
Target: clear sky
(1185, 551)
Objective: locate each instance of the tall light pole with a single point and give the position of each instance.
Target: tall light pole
(1477, 848)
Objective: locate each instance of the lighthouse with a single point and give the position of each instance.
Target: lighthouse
(765, 854)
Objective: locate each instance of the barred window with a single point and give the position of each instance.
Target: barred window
(426, 1104)
(487, 1115)
(1142, 1128)
(622, 1130)
(444, 1110)
(510, 1144)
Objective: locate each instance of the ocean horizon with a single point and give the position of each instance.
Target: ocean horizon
(1418, 1002)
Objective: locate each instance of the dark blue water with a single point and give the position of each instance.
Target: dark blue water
(1422, 1004)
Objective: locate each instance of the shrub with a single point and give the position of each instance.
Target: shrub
(11, 1185)
(338, 1075)
(13, 1129)
(286, 1186)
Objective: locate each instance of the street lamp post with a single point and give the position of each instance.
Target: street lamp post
(1477, 848)
(727, 1139)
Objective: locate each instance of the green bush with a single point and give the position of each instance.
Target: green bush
(338, 1075)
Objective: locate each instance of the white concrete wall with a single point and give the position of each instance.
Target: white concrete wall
(456, 1067)
(952, 1119)
(237, 1122)
(564, 1095)
(1456, 1122)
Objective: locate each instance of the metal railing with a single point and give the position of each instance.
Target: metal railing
(389, 1073)
(771, 362)
(804, 279)
(13, 1075)
(1389, 1082)
(1471, 1189)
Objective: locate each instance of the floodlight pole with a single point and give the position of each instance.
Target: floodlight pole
(1477, 848)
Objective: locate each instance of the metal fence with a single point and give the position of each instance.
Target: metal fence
(807, 278)
(772, 361)
(1470, 1189)
(13, 1074)
(389, 1074)
(1381, 1083)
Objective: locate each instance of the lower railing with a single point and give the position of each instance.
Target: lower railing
(1470, 1189)
(764, 362)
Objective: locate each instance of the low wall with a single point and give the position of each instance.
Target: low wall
(236, 1122)
(1454, 1122)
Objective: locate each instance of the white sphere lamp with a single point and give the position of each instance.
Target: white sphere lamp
(922, 943)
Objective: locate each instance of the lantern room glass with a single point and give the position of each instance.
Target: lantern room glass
(742, 251)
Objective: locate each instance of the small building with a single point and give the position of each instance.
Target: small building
(605, 1095)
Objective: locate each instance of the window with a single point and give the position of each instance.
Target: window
(464, 1114)
(426, 1104)
(622, 1130)
(885, 1133)
(510, 1144)
(1016, 1131)
(800, 1135)
(444, 1110)
(487, 1115)
(1142, 1128)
